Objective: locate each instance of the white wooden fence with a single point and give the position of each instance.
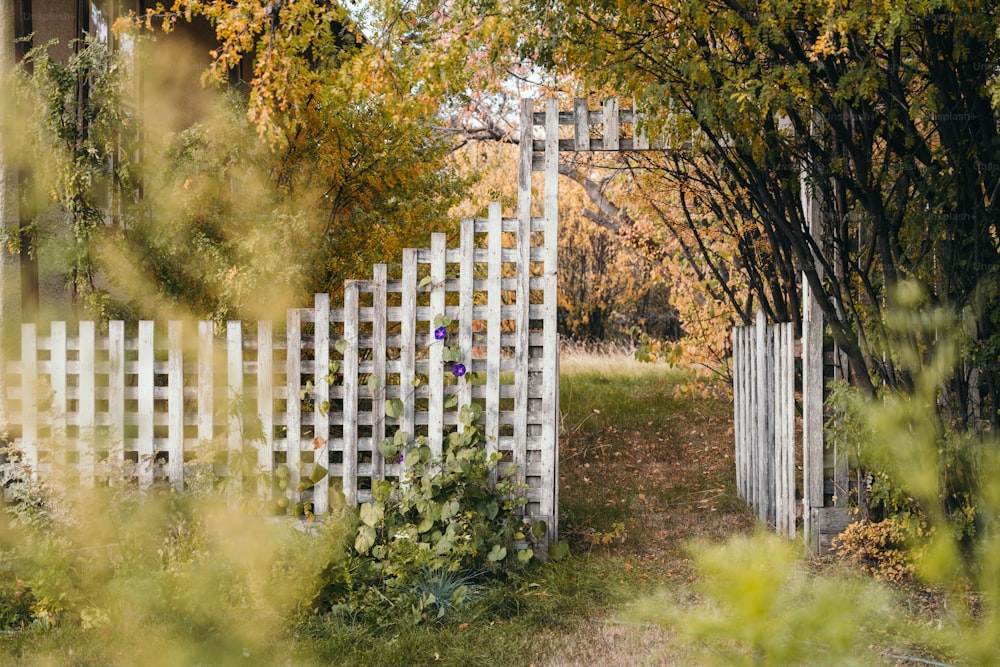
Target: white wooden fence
(157, 395)
(764, 424)
(99, 396)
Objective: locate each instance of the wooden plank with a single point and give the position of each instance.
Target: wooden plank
(265, 402)
(550, 332)
(321, 401)
(435, 405)
(234, 400)
(641, 133)
(581, 124)
(87, 408)
(466, 297)
(812, 377)
(116, 396)
(738, 399)
(786, 399)
(57, 384)
(29, 396)
(379, 326)
(175, 404)
(522, 293)
(493, 337)
(206, 382)
(293, 404)
(147, 357)
(350, 466)
(408, 339)
(611, 130)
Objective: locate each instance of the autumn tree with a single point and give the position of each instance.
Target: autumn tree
(889, 111)
(326, 154)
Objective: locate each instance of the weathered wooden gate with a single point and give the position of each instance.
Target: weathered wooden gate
(764, 420)
(330, 383)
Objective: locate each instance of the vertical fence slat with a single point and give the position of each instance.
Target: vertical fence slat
(785, 463)
(321, 403)
(293, 404)
(57, 383)
(87, 408)
(175, 404)
(550, 332)
(522, 291)
(738, 408)
(611, 124)
(465, 300)
(29, 395)
(408, 340)
(145, 446)
(234, 399)
(581, 124)
(116, 394)
(641, 136)
(493, 303)
(350, 479)
(435, 406)
(206, 382)
(379, 279)
(265, 402)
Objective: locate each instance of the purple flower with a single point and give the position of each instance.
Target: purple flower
(458, 370)
(440, 333)
(400, 459)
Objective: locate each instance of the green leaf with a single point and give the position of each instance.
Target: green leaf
(381, 490)
(394, 408)
(441, 320)
(401, 437)
(317, 474)
(365, 539)
(388, 449)
(451, 353)
(341, 345)
(539, 528)
(412, 457)
(424, 282)
(496, 554)
(372, 513)
(450, 401)
(374, 383)
(524, 555)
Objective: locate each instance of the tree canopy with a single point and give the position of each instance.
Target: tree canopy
(889, 111)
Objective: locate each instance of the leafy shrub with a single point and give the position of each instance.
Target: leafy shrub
(423, 542)
(880, 548)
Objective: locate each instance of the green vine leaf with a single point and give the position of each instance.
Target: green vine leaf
(496, 554)
(365, 539)
(394, 408)
(341, 345)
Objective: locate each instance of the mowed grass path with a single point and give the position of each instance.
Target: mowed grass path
(646, 468)
(644, 465)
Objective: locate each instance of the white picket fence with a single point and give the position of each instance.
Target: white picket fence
(101, 397)
(764, 420)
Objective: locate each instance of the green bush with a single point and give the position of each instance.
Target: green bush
(425, 542)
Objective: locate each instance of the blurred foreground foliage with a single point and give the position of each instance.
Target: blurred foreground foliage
(930, 509)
